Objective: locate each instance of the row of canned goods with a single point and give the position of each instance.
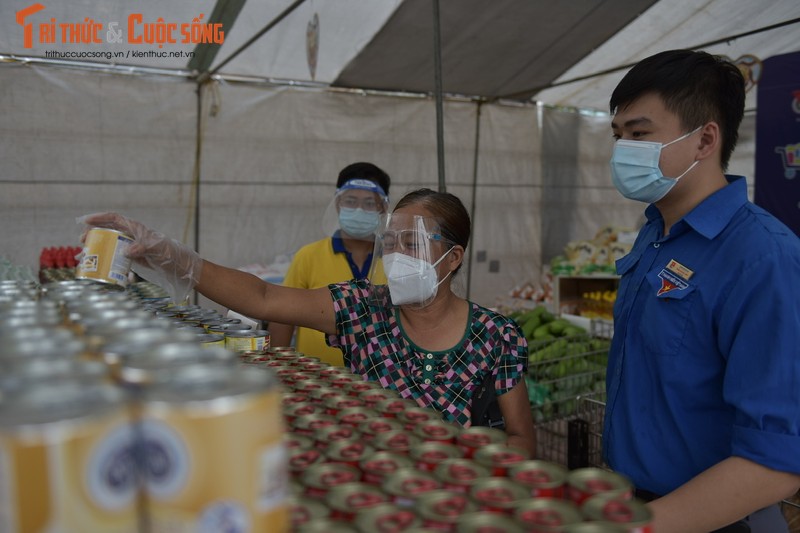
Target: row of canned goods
(114, 422)
(362, 458)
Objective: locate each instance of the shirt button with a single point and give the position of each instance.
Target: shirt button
(656, 244)
(428, 367)
(429, 356)
(427, 381)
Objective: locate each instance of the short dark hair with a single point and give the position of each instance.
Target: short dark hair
(449, 211)
(697, 86)
(365, 171)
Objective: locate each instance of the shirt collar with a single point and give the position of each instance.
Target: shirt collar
(338, 243)
(711, 215)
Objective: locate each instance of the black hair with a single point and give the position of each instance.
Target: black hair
(697, 86)
(364, 171)
(449, 211)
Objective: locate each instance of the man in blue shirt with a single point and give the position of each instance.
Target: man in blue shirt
(703, 384)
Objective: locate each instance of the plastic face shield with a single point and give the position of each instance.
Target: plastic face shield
(407, 249)
(356, 210)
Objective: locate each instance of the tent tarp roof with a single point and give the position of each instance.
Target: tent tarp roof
(489, 49)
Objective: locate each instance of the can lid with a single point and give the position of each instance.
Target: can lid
(48, 402)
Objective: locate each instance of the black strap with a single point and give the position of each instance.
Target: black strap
(485, 409)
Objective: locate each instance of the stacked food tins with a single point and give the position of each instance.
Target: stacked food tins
(118, 413)
(362, 458)
(113, 418)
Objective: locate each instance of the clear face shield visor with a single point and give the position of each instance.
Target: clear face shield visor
(356, 210)
(407, 250)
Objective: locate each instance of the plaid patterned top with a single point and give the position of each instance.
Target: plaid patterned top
(374, 344)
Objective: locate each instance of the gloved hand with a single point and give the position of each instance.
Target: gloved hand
(157, 258)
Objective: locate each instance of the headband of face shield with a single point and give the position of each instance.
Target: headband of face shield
(355, 210)
(408, 249)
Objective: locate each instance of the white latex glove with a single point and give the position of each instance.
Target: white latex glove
(157, 258)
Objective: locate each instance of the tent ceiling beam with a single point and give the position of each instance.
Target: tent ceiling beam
(204, 76)
(225, 13)
(530, 93)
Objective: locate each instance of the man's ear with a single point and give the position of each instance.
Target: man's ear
(710, 140)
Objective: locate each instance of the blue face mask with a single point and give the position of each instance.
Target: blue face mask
(358, 223)
(635, 171)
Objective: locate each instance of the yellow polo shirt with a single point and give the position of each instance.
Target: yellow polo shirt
(316, 265)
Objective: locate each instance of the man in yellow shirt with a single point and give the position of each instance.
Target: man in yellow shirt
(362, 196)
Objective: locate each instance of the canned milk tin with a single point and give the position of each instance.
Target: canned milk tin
(583, 483)
(303, 510)
(386, 518)
(498, 494)
(543, 478)
(407, 485)
(215, 451)
(247, 341)
(487, 522)
(547, 515)
(381, 465)
(633, 515)
(67, 460)
(500, 457)
(104, 258)
(460, 474)
(319, 478)
(428, 455)
(372, 427)
(440, 509)
(396, 440)
(413, 416)
(437, 431)
(346, 500)
(472, 438)
(210, 339)
(350, 452)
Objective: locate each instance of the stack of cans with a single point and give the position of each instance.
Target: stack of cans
(363, 458)
(113, 418)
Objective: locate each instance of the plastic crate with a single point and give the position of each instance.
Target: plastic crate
(563, 369)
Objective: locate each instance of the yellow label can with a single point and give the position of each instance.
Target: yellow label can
(104, 258)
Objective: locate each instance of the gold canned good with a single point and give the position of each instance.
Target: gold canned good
(324, 436)
(633, 515)
(393, 407)
(498, 494)
(544, 478)
(377, 467)
(500, 457)
(460, 474)
(321, 394)
(247, 341)
(294, 410)
(547, 515)
(66, 451)
(407, 485)
(582, 483)
(104, 258)
(219, 431)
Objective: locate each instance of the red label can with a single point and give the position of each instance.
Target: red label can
(547, 515)
(428, 455)
(583, 483)
(543, 478)
(406, 485)
(633, 515)
(475, 437)
(460, 474)
(498, 494)
(377, 467)
(498, 458)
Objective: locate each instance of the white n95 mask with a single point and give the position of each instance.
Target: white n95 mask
(411, 280)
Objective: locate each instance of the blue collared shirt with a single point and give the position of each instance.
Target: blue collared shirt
(338, 247)
(705, 360)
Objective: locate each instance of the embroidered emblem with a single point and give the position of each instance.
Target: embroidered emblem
(670, 282)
